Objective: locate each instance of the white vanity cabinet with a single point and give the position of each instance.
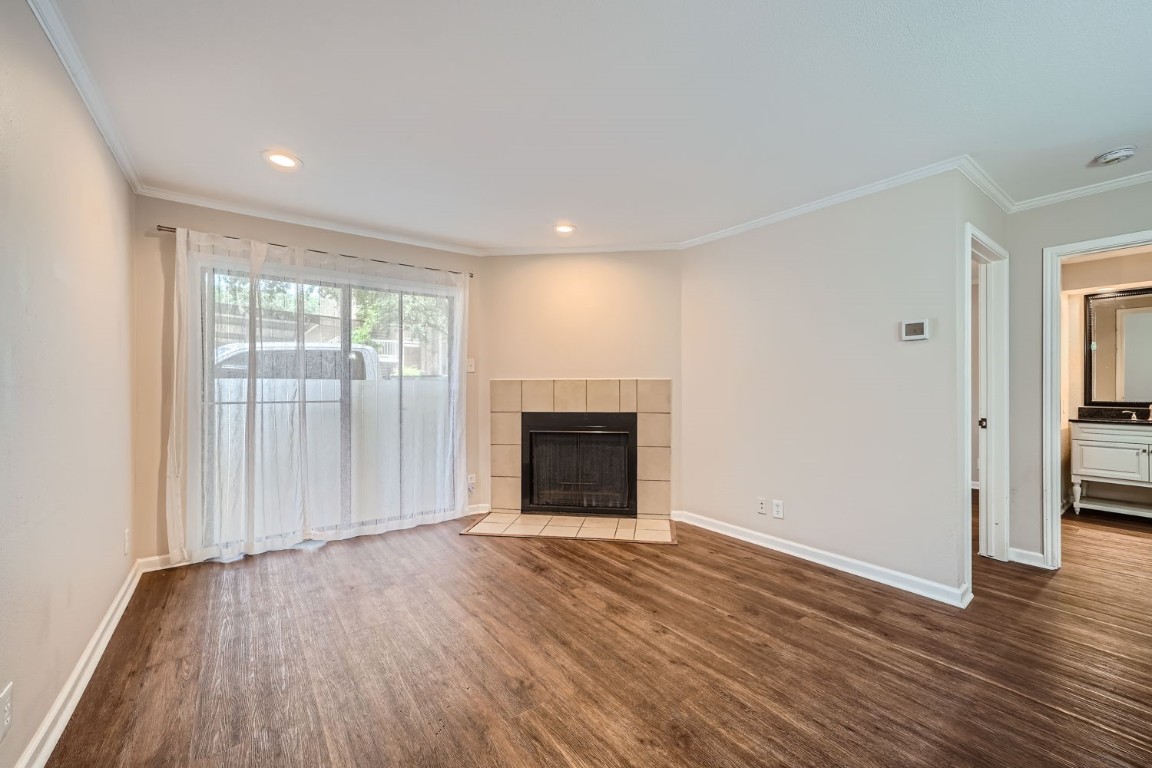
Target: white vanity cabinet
(1111, 452)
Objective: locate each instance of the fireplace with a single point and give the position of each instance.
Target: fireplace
(581, 463)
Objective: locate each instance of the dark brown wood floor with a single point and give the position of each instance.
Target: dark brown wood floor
(426, 648)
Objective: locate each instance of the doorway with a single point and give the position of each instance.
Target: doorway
(986, 404)
(1056, 355)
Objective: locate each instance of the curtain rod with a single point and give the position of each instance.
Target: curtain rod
(164, 228)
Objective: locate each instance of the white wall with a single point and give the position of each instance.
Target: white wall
(154, 257)
(65, 375)
(1110, 213)
(797, 387)
(583, 317)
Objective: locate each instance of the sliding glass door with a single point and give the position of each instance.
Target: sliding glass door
(326, 405)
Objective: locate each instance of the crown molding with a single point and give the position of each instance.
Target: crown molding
(306, 221)
(980, 178)
(963, 163)
(55, 28)
(1091, 189)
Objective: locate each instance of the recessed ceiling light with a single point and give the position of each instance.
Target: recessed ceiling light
(564, 228)
(1113, 156)
(281, 160)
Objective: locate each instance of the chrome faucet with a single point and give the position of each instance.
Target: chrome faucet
(1133, 413)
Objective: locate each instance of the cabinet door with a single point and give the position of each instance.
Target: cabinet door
(1120, 461)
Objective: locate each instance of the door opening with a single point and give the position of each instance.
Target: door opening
(986, 428)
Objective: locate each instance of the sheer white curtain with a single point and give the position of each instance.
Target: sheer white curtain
(315, 396)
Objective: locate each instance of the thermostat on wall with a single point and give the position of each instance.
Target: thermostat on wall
(911, 330)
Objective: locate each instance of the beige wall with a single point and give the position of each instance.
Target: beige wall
(1110, 213)
(153, 257)
(65, 383)
(797, 387)
(583, 317)
(1115, 272)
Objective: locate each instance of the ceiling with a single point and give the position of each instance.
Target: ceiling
(648, 123)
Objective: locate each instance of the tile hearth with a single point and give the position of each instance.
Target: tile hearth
(574, 527)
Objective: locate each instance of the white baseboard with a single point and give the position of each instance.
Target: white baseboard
(1027, 557)
(957, 596)
(38, 751)
(479, 509)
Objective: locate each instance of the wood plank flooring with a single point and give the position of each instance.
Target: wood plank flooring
(427, 648)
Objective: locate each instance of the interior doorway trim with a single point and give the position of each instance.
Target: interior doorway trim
(992, 262)
(1053, 495)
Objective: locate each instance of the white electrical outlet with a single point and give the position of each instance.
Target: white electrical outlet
(471, 483)
(762, 505)
(471, 365)
(777, 508)
(5, 710)
(127, 543)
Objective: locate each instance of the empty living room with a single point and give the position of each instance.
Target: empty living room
(578, 384)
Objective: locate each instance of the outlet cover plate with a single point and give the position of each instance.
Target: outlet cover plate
(777, 509)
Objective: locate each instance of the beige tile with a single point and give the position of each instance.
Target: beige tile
(653, 525)
(654, 396)
(596, 533)
(626, 525)
(566, 521)
(571, 395)
(624, 534)
(601, 522)
(523, 529)
(559, 531)
(663, 536)
(603, 395)
(501, 517)
(654, 429)
(505, 429)
(489, 528)
(506, 461)
(505, 395)
(653, 463)
(533, 519)
(654, 498)
(506, 492)
(628, 395)
(536, 395)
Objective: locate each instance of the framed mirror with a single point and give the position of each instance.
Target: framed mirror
(1118, 348)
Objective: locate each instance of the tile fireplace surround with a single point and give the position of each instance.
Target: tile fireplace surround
(649, 399)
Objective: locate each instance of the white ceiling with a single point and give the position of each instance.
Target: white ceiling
(646, 122)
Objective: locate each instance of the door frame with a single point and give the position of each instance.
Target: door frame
(992, 260)
(1053, 495)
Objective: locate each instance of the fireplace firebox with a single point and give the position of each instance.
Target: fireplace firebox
(579, 463)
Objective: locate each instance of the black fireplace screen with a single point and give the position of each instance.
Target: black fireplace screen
(579, 462)
(580, 469)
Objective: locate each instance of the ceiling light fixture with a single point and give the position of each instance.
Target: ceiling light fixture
(1113, 156)
(282, 161)
(564, 228)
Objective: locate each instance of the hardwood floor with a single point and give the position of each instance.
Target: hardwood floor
(427, 648)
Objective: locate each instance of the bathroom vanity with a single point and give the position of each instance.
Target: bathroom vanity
(1117, 452)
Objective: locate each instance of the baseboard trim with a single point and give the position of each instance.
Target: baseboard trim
(479, 509)
(1028, 557)
(957, 596)
(38, 751)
